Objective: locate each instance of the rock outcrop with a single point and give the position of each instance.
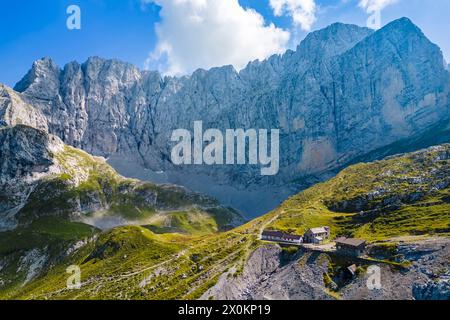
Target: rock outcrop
(267, 275)
(14, 111)
(433, 290)
(26, 156)
(40, 176)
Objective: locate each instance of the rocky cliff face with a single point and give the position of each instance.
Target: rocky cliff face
(267, 275)
(25, 157)
(345, 92)
(14, 111)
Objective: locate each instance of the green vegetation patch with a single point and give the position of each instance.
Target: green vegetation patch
(400, 196)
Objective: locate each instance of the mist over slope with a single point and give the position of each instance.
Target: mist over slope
(41, 177)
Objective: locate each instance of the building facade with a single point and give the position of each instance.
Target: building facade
(281, 237)
(316, 235)
(350, 247)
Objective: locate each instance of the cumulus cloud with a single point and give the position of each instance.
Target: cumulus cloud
(303, 12)
(375, 5)
(207, 33)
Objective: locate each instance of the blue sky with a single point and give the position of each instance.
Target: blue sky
(125, 29)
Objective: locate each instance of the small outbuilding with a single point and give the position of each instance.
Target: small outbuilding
(282, 237)
(350, 247)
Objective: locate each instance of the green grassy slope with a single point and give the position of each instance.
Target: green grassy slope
(405, 195)
(48, 237)
(134, 263)
(64, 192)
(400, 196)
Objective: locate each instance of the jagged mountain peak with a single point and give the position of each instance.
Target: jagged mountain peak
(324, 43)
(400, 31)
(403, 46)
(317, 46)
(42, 68)
(344, 93)
(331, 41)
(99, 62)
(335, 32)
(402, 23)
(43, 65)
(42, 80)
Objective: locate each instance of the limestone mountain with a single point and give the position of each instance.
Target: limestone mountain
(345, 93)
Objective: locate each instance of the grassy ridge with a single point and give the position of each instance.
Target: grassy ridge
(407, 195)
(134, 263)
(47, 237)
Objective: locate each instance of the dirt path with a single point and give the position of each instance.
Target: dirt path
(263, 227)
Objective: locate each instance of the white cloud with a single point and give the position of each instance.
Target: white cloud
(375, 5)
(303, 12)
(208, 33)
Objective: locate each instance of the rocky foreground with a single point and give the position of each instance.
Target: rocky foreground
(269, 273)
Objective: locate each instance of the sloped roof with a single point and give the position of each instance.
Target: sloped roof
(350, 242)
(318, 230)
(280, 234)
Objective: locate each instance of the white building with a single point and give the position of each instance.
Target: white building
(316, 235)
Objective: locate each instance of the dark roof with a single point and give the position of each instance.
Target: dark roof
(280, 234)
(350, 242)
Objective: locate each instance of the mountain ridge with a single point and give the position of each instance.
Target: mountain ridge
(338, 97)
(41, 177)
